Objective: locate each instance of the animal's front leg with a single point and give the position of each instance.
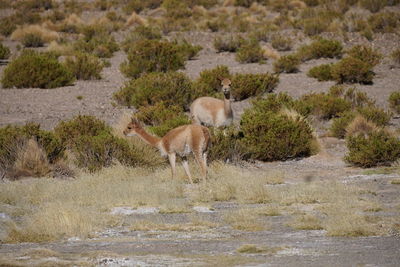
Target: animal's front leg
(172, 158)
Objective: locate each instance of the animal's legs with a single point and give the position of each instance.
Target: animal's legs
(186, 167)
(202, 163)
(172, 158)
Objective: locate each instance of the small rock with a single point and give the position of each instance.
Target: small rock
(130, 211)
(203, 209)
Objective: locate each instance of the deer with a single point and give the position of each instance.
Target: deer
(211, 111)
(182, 141)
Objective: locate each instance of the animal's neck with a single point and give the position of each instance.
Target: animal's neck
(148, 138)
(227, 105)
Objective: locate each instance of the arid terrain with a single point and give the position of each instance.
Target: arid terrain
(312, 211)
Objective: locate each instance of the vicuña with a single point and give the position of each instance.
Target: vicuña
(180, 141)
(211, 111)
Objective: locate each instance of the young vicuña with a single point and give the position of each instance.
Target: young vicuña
(181, 140)
(211, 111)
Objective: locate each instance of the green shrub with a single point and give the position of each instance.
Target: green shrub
(173, 88)
(394, 102)
(375, 115)
(250, 52)
(375, 149)
(162, 118)
(384, 22)
(33, 69)
(356, 97)
(4, 52)
(229, 43)
(176, 9)
(321, 48)
(339, 125)
(84, 66)
(288, 64)
(93, 144)
(395, 55)
(209, 82)
(152, 56)
(13, 136)
(365, 54)
(281, 43)
(322, 72)
(32, 40)
(324, 106)
(352, 70)
(139, 5)
(141, 33)
(225, 145)
(270, 135)
(315, 26)
(247, 85)
(188, 50)
(7, 26)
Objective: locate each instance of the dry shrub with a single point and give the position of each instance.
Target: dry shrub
(270, 53)
(31, 161)
(360, 125)
(134, 20)
(60, 49)
(45, 34)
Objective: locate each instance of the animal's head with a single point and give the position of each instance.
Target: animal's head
(132, 127)
(226, 86)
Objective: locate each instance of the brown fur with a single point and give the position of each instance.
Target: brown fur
(181, 140)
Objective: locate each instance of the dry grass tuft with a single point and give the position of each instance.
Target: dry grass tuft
(270, 210)
(306, 222)
(31, 161)
(45, 34)
(244, 219)
(251, 248)
(228, 3)
(360, 125)
(296, 4)
(395, 181)
(270, 53)
(61, 49)
(135, 20)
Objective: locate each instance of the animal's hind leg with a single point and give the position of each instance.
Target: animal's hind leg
(202, 163)
(172, 158)
(186, 167)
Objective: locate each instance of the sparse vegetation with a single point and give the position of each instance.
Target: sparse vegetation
(394, 102)
(281, 43)
(33, 69)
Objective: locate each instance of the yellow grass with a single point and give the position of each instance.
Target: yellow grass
(251, 248)
(360, 125)
(45, 34)
(134, 20)
(395, 181)
(62, 49)
(244, 219)
(306, 222)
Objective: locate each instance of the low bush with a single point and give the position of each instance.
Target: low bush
(162, 118)
(321, 48)
(248, 85)
(139, 33)
(188, 50)
(34, 69)
(15, 138)
(7, 26)
(4, 52)
(173, 88)
(281, 43)
(288, 64)
(373, 5)
(32, 40)
(314, 26)
(394, 102)
(366, 54)
(322, 72)
(152, 56)
(324, 106)
(225, 145)
(384, 22)
(360, 126)
(93, 144)
(84, 66)
(378, 148)
(138, 5)
(395, 55)
(270, 135)
(352, 70)
(209, 82)
(250, 52)
(339, 125)
(176, 9)
(228, 43)
(375, 114)
(244, 3)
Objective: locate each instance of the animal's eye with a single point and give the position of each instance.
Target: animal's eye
(129, 128)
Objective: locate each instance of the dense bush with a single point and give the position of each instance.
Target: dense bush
(281, 43)
(250, 52)
(188, 50)
(13, 138)
(321, 48)
(228, 43)
(322, 72)
(324, 106)
(352, 70)
(384, 21)
(225, 144)
(394, 102)
(162, 118)
(93, 144)
(373, 5)
(365, 54)
(374, 149)
(152, 56)
(32, 40)
(288, 64)
(271, 135)
(7, 26)
(173, 88)
(375, 114)
(4, 51)
(247, 85)
(84, 66)
(139, 33)
(209, 82)
(339, 124)
(33, 69)
(139, 5)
